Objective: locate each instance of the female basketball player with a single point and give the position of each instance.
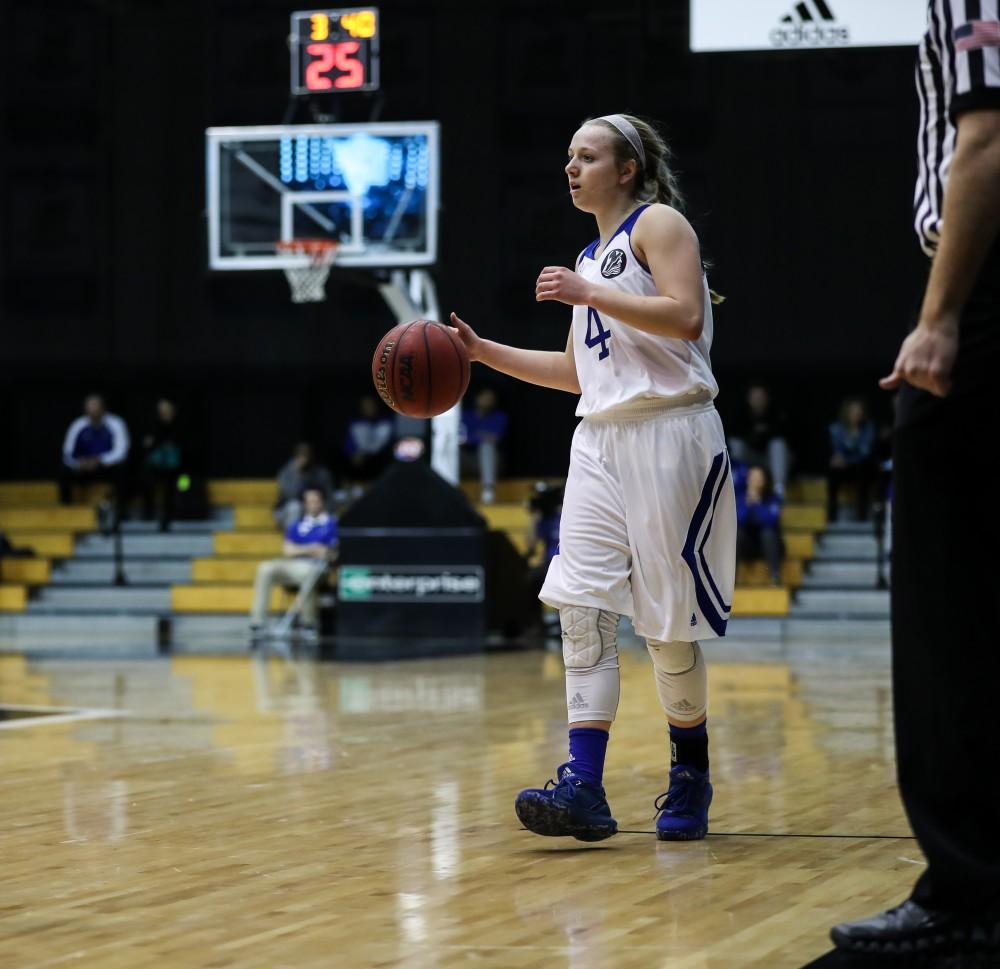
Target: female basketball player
(649, 524)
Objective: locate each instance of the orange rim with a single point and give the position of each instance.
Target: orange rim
(316, 249)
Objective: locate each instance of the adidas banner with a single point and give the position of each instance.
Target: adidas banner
(805, 24)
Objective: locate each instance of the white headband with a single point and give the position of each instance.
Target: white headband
(627, 130)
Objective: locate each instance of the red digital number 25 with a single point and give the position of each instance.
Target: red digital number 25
(329, 56)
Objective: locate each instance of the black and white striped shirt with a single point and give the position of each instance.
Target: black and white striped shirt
(958, 69)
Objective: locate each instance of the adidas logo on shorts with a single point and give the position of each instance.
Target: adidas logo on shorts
(577, 703)
(694, 619)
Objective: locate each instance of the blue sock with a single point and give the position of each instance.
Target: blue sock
(587, 747)
(689, 746)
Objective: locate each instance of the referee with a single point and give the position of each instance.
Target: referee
(946, 504)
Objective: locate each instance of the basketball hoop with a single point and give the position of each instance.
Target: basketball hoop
(308, 281)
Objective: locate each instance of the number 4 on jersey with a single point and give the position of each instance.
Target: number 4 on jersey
(600, 337)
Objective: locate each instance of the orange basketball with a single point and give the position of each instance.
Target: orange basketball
(421, 368)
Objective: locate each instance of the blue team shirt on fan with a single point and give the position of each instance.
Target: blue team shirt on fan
(321, 530)
(547, 531)
(740, 473)
(763, 514)
(93, 441)
(475, 425)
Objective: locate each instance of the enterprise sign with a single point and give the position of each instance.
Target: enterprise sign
(718, 25)
(410, 583)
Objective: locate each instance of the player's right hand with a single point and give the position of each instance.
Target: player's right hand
(473, 343)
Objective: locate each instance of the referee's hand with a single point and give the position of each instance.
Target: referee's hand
(926, 359)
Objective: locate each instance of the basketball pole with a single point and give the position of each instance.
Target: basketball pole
(411, 295)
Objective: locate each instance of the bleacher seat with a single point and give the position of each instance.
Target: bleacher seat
(750, 601)
(252, 491)
(805, 517)
(260, 545)
(800, 545)
(254, 517)
(220, 571)
(53, 545)
(28, 494)
(13, 598)
(811, 491)
(755, 573)
(35, 571)
(80, 518)
(222, 598)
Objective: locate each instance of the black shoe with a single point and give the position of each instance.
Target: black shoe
(911, 928)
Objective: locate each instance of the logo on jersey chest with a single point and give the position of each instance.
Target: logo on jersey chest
(614, 264)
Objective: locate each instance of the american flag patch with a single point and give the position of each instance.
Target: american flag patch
(977, 34)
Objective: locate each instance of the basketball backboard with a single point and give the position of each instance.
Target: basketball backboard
(373, 188)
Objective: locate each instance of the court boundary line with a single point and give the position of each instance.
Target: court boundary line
(47, 715)
(783, 834)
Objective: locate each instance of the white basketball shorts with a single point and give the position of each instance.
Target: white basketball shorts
(648, 524)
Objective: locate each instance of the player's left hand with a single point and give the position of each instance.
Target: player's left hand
(562, 284)
(926, 359)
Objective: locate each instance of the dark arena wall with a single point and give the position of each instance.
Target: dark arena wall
(103, 259)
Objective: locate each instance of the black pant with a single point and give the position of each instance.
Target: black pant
(754, 542)
(860, 475)
(946, 660)
(945, 587)
(158, 487)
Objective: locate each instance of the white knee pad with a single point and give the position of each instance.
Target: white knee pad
(590, 652)
(681, 679)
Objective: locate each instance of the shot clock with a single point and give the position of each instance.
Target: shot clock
(334, 51)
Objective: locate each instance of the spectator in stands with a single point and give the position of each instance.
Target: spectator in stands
(368, 442)
(162, 459)
(483, 428)
(546, 515)
(300, 473)
(852, 457)
(758, 522)
(759, 437)
(310, 545)
(94, 449)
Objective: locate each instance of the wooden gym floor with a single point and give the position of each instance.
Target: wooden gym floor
(247, 812)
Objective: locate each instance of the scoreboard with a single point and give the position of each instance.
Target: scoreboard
(335, 51)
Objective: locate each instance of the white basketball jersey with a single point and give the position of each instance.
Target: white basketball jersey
(615, 362)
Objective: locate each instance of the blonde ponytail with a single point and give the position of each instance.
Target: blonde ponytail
(655, 181)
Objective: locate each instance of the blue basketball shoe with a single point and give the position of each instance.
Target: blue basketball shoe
(683, 810)
(571, 807)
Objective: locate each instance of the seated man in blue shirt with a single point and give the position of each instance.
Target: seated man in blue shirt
(310, 545)
(95, 448)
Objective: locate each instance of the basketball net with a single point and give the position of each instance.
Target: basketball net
(308, 282)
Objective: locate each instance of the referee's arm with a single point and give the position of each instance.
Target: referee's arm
(970, 218)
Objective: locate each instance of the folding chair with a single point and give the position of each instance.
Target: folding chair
(284, 625)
